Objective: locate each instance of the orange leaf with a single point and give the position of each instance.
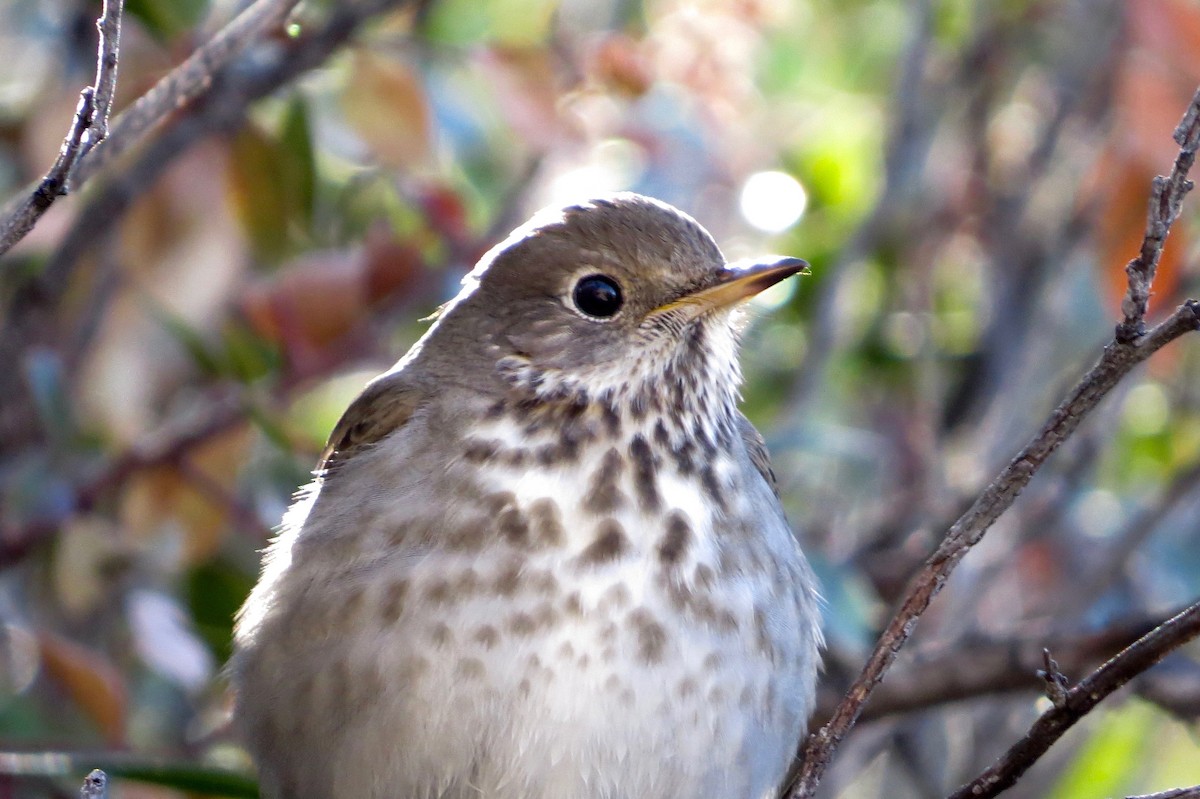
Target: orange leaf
(386, 104)
(310, 301)
(91, 679)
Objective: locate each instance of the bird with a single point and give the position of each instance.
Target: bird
(544, 555)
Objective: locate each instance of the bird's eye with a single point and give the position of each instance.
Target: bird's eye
(598, 296)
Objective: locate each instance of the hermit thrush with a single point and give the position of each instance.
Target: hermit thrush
(543, 557)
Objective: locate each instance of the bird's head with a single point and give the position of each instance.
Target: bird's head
(611, 295)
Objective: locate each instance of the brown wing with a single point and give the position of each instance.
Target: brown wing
(757, 448)
(383, 407)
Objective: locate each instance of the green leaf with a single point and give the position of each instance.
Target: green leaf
(298, 168)
(166, 19)
(1112, 757)
(181, 775)
(190, 339)
(214, 593)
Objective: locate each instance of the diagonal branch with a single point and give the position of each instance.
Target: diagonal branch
(89, 128)
(1079, 701)
(1117, 360)
(1177, 793)
(188, 81)
(986, 667)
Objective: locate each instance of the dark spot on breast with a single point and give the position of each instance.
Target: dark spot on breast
(514, 527)
(645, 473)
(441, 634)
(546, 524)
(470, 669)
(468, 536)
(565, 449)
(409, 671)
(545, 615)
(676, 539)
(609, 544)
(762, 634)
(487, 635)
(393, 601)
(604, 491)
(522, 624)
(467, 582)
(639, 406)
(508, 580)
(661, 436)
(499, 501)
(684, 454)
(615, 597)
(705, 441)
(352, 604)
(609, 414)
(708, 479)
(651, 636)
(481, 451)
(515, 457)
(524, 408)
(439, 591)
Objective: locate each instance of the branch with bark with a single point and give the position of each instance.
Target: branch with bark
(1129, 347)
(969, 669)
(88, 129)
(1078, 701)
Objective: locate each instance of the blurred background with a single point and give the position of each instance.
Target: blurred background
(968, 180)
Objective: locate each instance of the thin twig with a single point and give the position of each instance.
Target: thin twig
(80, 159)
(109, 47)
(968, 669)
(1176, 793)
(1056, 683)
(229, 93)
(88, 128)
(1166, 198)
(1080, 700)
(188, 81)
(1117, 360)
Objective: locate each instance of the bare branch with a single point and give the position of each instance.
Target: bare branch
(188, 81)
(1080, 700)
(1176, 793)
(986, 667)
(1057, 684)
(88, 129)
(109, 27)
(1118, 359)
(1166, 198)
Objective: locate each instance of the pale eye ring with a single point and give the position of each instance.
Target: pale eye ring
(597, 296)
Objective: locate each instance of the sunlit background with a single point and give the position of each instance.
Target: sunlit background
(967, 179)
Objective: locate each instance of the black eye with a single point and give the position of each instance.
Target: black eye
(598, 296)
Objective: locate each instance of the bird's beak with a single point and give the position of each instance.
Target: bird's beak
(740, 281)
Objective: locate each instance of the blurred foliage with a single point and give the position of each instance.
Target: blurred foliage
(968, 180)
